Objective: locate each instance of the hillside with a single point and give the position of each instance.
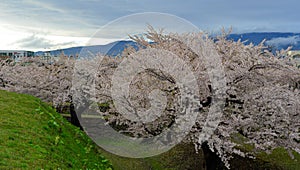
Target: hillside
(275, 40)
(111, 49)
(34, 136)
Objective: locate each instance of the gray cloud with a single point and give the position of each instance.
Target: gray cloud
(35, 42)
(44, 5)
(284, 41)
(84, 17)
(92, 14)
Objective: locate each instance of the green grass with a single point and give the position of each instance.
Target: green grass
(279, 157)
(241, 142)
(34, 136)
(182, 156)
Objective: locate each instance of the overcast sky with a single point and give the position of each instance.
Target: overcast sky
(52, 24)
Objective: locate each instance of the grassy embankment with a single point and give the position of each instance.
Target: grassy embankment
(34, 136)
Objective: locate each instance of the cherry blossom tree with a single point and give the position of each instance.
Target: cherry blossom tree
(261, 98)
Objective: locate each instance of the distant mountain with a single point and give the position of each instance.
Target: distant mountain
(274, 40)
(111, 49)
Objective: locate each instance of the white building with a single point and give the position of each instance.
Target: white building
(15, 54)
(295, 54)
